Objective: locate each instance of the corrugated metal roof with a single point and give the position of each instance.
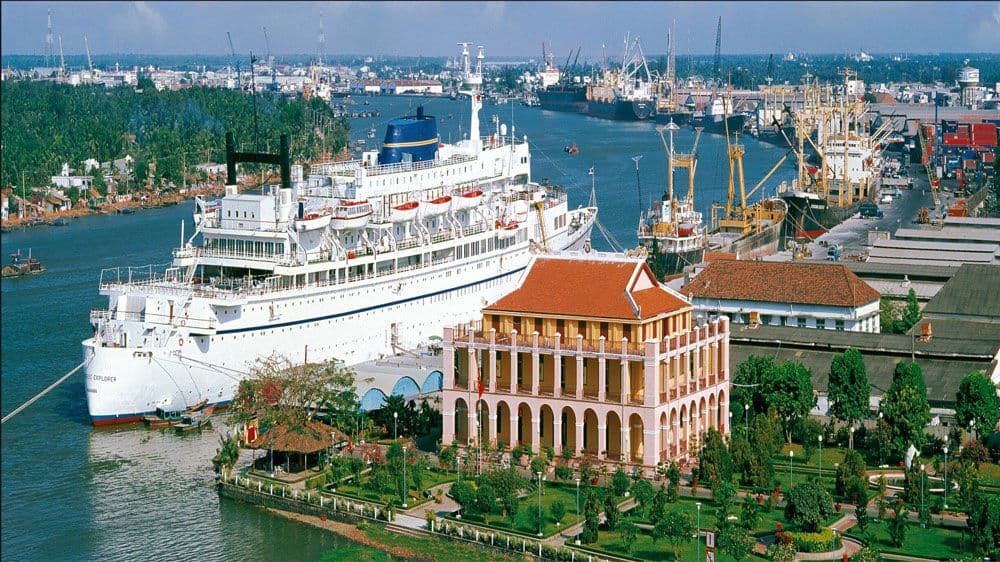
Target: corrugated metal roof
(974, 291)
(950, 233)
(939, 246)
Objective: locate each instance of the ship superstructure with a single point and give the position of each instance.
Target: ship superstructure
(352, 260)
(625, 93)
(850, 161)
(673, 231)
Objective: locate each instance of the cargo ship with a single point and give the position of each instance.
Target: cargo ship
(747, 230)
(673, 232)
(353, 260)
(563, 97)
(848, 172)
(718, 116)
(624, 94)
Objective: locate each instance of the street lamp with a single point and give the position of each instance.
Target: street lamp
(746, 422)
(820, 439)
(972, 429)
(946, 476)
(697, 536)
(395, 419)
(578, 506)
(539, 503)
(881, 439)
(458, 467)
(852, 437)
(922, 474)
(791, 455)
(405, 486)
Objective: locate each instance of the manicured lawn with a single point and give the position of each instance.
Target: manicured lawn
(432, 478)
(529, 505)
(933, 542)
(646, 549)
(769, 521)
(990, 475)
(430, 548)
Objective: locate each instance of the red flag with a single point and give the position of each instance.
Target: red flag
(480, 385)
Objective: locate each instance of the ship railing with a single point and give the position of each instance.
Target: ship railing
(175, 320)
(397, 167)
(200, 252)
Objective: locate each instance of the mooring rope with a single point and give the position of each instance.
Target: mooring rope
(44, 392)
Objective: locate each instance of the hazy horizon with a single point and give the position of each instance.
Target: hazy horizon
(506, 29)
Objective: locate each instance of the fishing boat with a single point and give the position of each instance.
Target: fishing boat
(163, 418)
(22, 265)
(193, 423)
(248, 283)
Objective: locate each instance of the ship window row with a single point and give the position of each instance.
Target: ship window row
(245, 247)
(230, 214)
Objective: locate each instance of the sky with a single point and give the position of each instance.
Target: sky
(505, 28)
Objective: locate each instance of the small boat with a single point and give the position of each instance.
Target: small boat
(163, 418)
(192, 423)
(437, 206)
(314, 220)
(405, 212)
(468, 199)
(572, 149)
(351, 214)
(22, 265)
(60, 221)
(126, 210)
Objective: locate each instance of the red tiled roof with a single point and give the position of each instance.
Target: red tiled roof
(800, 283)
(715, 256)
(589, 288)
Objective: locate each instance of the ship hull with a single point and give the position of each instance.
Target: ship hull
(571, 101)
(621, 110)
(180, 366)
(718, 126)
(810, 217)
(680, 118)
(755, 244)
(675, 262)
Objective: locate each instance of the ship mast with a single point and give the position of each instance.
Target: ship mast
(474, 82)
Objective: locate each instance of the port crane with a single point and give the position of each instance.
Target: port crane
(90, 62)
(236, 62)
(717, 68)
(62, 59)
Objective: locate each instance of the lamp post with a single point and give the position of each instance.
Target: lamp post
(539, 503)
(852, 437)
(578, 507)
(697, 536)
(972, 429)
(922, 474)
(458, 467)
(946, 476)
(405, 486)
(820, 439)
(746, 422)
(791, 455)
(395, 419)
(881, 438)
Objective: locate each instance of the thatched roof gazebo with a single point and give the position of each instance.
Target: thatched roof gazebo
(305, 441)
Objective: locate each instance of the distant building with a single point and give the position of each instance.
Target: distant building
(805, 295)
(400, 87)
(589, 355)
(54, 201)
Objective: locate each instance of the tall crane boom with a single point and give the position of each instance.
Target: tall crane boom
(90, 62)
(717, 69)
(267, 44)
(62, 60)
(236, 62)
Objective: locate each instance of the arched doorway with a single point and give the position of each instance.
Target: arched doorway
(462, 421)
(503, 425)
(635, 437)
(524, 429)
(568, 430)
(614, 436)
(546, 427)
(483, 419)
(664, 440)
(590, 429)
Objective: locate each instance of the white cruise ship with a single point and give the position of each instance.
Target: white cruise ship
(352, 260)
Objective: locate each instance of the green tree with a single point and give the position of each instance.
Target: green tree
(851, 480)
(465, 495)
(976, 400)
(511, 505)
(673, 482)
(592, 515)
(539, 464)
(557, 510)
(611, 513)
(736, 542)
(905, 409)
(807, 505)
(897, 527)
(226, 455)
(629, 532)
(486, 499)
(984, 524)
(748, 380)
(715, 466)
(447, 456)
(911, 313)
(643, 492)
(676, 528)
(751, 514)
(99, 184)
(789, 393)
(862, 520)
(619, 482)
(724, 495)
(866, 554)
(807, 432)
(658, 505)
(849, 390)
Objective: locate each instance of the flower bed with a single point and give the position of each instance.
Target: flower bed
(823, 541)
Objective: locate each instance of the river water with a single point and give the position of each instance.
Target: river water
(74, 493)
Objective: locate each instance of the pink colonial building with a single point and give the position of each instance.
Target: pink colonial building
(589, 354)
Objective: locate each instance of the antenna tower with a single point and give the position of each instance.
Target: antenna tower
(672, 56)
(90, 62)
(48, 41)
(322, 40)
(717, 69)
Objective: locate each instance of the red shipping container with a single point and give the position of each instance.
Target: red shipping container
(988, 157)
(985, 138)
(970, 164)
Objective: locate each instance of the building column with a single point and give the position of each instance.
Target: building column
(448, 359)
(626, 384)
(513, 427)
(536, 438)
(513, 361)
(493, 425)
(578, 447)
(579, 376)
(675, 438)
(602, 376)
(650, 445)
(493, 370)
(624, 444)
(557, 375)
(535, 372)
(447, 419)
(473, 425)
(602, 441)
(557, 442)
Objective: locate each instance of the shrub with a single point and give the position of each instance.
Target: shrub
(807, 505)
(564, 472)
(823, 541)
(619, 482)
(557, 510)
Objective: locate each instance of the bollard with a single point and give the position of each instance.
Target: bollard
(477, 535)
(539, 550)
(508, 542)
(321, 501)
(258, 485)
(270, 489)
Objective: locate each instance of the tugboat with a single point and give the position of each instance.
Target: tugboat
(21, 265)
(572, 149)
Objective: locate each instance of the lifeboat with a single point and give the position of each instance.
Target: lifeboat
(685, 229)
(437, 206)
(314, 220)
(350, 215)
(405, 212)
(468, 200)
(508, 230)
